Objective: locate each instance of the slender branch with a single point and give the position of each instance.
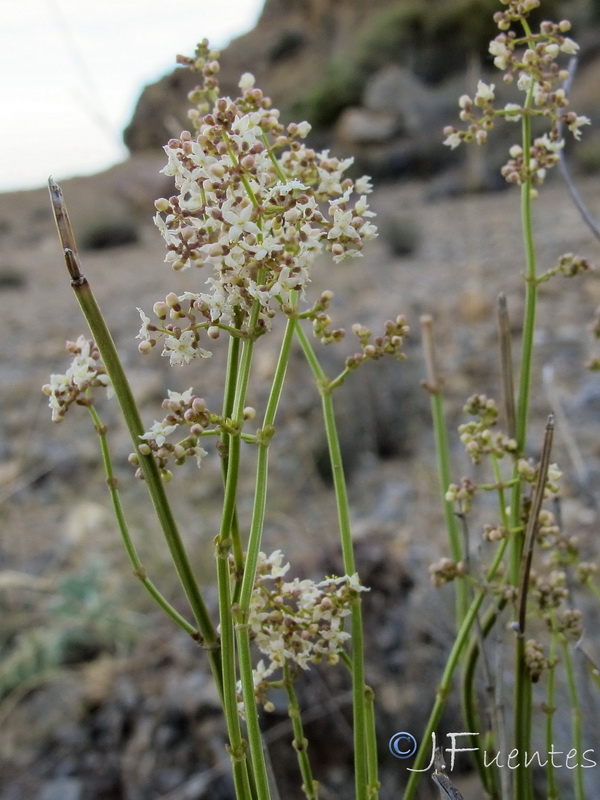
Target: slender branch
(434, 385)
(532, 523)
(114, 368)
(506, 365)
(138, 568)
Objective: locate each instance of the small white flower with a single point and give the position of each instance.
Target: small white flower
(183, 349)
(238, 218)
(575, 126)
(342, 225)
(550, 145)
(485, 92)
(181, 397)
(569, 47)
(82, 370)
(524, 81)
(289, 186)
(247, 81)
(453, 140)
(144, 333)
(363, 185)
(501, 54)
(158, 432)
(200, 453)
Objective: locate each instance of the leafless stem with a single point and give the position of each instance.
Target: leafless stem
(433, 383)
(532, 522)
(506, 366)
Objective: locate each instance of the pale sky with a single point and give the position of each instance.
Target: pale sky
(71, 72)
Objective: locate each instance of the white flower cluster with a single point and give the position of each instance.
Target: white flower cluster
(86, 372)
(298, 621)
(531, 61)
(184, 408)
(255, 205)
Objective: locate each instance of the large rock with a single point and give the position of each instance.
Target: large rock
(287, 51)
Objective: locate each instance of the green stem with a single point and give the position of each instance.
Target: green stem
(550, 709)
(154, 484)
(372, 766)
(249, 578)
(522, 709)
(487, 776)
(343, 510)
(575, 716)
(531, 291)
(233, 357)
(138, 569)
(434, 385)
(445, 684)
(238, 372)
(300, 743)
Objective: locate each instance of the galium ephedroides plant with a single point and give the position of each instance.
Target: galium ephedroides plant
(512, 589)
(254, 206)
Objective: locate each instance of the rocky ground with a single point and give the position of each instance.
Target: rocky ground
(100, 698)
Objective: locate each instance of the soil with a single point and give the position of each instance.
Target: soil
(101, 698)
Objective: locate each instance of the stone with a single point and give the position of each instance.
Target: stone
(359, 126)
(62, 789)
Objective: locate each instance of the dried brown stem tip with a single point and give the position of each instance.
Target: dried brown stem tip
(65, 232)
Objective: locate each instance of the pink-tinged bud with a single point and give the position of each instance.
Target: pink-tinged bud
(216, 170)
(173, 144)
(161, 309)
(248, 162)
(215, 250)
(213, 332)
(187, 233)
(145, 347)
